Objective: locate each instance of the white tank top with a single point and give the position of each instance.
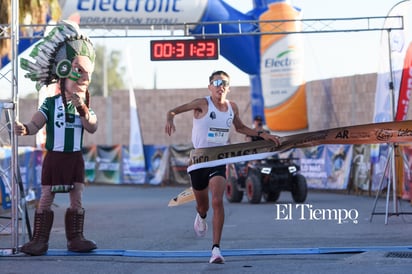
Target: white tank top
(213, 128)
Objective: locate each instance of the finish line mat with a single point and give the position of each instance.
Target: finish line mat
(228, 252)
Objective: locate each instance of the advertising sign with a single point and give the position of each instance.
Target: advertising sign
(134, 12)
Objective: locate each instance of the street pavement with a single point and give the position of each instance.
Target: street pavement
(136, 232)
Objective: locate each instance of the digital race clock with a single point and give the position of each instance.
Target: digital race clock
(193, 49)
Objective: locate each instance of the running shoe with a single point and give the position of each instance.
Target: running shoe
(216, 258)
(200, 226)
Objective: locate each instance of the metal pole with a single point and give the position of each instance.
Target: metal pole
(13, 139)
(393, 179)
(109, 105)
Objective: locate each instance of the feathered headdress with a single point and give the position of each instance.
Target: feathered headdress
(54, 54)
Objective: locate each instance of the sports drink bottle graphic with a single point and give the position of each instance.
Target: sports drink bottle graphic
(282, 69)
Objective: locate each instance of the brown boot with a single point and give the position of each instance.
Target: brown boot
(74, 221)
(39, 244)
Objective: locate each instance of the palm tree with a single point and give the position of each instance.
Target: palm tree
(33, 12)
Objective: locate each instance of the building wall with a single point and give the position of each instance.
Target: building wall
(331, 103)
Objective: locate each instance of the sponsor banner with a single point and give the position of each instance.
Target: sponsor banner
(406, 86)
(313, 165)
(134, 170)
(132, 173)
(282, 69)
(89, 156)
(406, 189)
(326, 167)
(134, 12)
(361, 167)
(108, 162)
(380, 170)
(153, 160)
(26, 158)
(5, 164)
(5, 199)
(338, 159)
(27, 174)
(38, 156)
(178, 163)
(5, 177)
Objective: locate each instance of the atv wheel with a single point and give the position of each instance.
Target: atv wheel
(299, 188)
(253, 189)
(233, 194)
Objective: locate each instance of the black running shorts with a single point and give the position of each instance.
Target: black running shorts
(200, 177)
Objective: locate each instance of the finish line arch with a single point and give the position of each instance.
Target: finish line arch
(231, 29)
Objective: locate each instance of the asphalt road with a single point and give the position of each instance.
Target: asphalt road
(136, 232)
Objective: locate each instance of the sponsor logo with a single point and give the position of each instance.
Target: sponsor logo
(212, 115)
(344, 134)
(347, 134)
(199, 159)
(229, 122)
(383, 134)
(405, 132)
(282, 60)
(134, 12)
(229, 154)
(129, 6)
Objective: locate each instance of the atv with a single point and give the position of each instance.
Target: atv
(265, 178)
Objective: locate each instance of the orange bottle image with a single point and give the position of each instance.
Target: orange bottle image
(282, 70)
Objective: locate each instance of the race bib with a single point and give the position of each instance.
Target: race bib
(218, 135)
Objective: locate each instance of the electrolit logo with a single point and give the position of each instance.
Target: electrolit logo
(129, 6)
(134, 12)
(282, 60)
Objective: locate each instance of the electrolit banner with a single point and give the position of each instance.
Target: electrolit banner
(282, 70)
(275, 63)
(134, 12)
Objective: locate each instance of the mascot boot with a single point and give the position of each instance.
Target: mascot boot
(74, 221)
(39, 243)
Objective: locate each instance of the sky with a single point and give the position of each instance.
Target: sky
(326, 55)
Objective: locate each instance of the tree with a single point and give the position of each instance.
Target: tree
(114, 71)
(37, 13)
(30, 12)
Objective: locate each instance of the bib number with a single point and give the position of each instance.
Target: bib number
(218, 135)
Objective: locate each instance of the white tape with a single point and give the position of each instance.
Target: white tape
(231, 160)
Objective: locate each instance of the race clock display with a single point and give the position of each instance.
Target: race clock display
(192, 49)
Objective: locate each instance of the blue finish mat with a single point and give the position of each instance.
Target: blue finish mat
(228, 252)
